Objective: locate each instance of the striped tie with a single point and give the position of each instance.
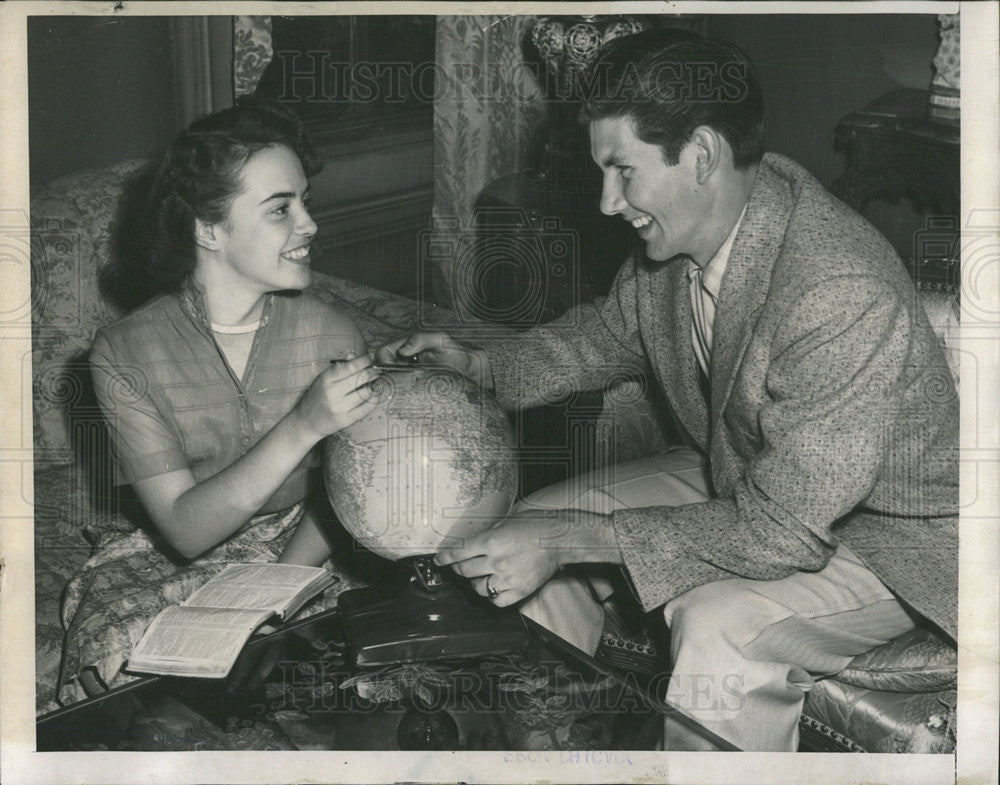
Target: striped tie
(703, 314)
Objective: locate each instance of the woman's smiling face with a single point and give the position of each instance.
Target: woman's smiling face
(264, 242)
(663, 203)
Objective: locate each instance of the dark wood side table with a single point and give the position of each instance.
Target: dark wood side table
(896, 151)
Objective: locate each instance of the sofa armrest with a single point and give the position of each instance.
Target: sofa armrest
(917, 661)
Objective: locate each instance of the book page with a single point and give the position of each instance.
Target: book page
(271, 586)
(211, 636)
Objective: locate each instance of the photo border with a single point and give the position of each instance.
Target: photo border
(976, 758)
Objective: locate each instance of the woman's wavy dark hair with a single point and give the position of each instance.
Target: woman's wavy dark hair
(197, 177)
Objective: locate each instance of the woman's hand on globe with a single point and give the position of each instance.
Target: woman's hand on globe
(519, 553)
(439, 349)
(340, 396)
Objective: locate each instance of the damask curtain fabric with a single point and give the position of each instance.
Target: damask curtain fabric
(252, 51)
(486, 114)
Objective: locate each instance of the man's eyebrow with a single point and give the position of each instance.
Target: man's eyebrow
(285, 195)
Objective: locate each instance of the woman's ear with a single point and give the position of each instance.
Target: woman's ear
(204, 235)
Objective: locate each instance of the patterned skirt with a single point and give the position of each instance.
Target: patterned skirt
(108, 606)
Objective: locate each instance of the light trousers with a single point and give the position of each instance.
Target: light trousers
(744, 653)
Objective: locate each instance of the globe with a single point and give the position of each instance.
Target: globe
(433, 463)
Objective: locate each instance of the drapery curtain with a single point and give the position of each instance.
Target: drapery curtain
(216, 59)
(486, 113)
(202, 54)
(252, 51)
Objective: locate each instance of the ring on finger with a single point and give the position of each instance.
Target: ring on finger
(491, 591)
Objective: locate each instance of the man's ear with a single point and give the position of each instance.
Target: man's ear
(204, 235)
(708, 145)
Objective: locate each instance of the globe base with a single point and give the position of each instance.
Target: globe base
(389, 625)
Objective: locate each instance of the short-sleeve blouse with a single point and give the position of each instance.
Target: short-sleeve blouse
(171, 401)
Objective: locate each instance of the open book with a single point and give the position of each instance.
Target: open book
(204, 635)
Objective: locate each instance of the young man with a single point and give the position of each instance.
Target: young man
(784, 332)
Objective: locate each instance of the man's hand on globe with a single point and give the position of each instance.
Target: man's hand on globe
(439, 349)
(520, 552)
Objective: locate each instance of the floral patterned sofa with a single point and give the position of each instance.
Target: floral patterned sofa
(900, 697)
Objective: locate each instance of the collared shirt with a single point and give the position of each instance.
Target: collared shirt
(705, 285)
(171, 401)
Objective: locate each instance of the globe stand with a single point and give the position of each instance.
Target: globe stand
(432, 617)
(424, 728)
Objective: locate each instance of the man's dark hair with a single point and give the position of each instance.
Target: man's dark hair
(671, 81)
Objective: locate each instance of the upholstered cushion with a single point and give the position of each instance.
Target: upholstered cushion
(877, 721)
(917, 661)
(62, 509)
(70, 236)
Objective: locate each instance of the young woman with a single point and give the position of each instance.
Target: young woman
(216, 390)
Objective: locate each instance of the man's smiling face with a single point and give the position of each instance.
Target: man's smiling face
(664, 203)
